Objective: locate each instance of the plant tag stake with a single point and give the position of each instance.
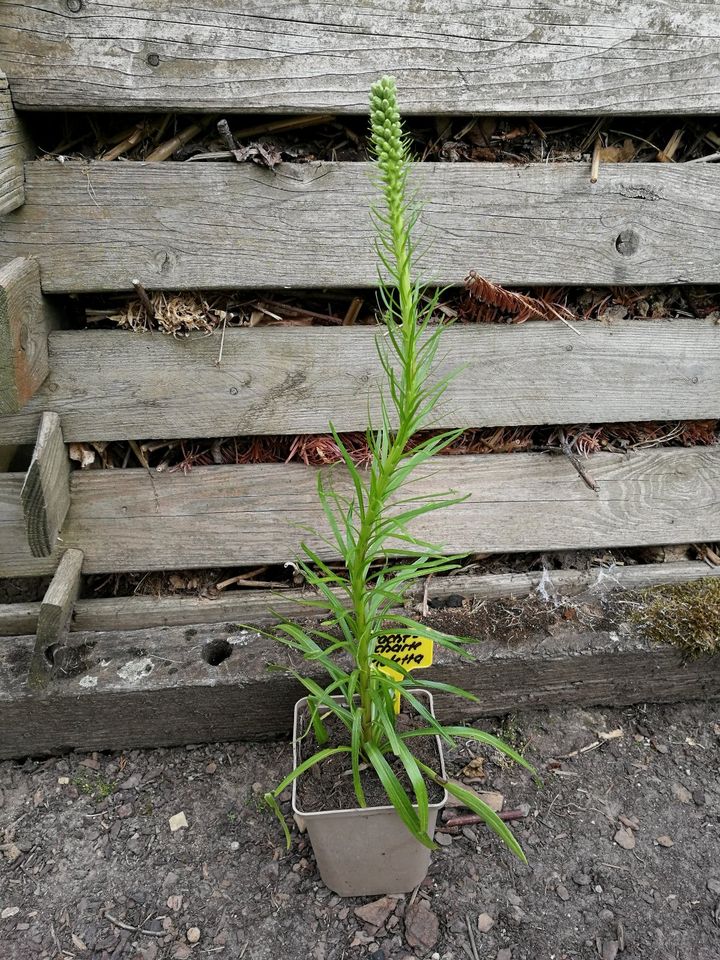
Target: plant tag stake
(412, 653)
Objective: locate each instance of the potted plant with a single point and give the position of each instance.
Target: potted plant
(369, 775)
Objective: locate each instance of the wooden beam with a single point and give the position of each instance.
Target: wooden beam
(112, 695)
(97, 226)
(141, 520)
(278, 380)
(18, 619)
(45, 493)
(25, 321)
(262, 607)
(54, 616)
(13, 150)
(555, 57)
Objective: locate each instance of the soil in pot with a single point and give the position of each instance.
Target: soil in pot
(329, 786)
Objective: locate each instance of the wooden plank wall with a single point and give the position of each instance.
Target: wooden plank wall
(538, 56)
(221, 225)
(112, 385)
(215, 516)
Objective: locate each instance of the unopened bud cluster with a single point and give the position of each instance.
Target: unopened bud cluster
(387, 138)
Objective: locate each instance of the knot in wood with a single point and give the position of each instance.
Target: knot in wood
(627, 243)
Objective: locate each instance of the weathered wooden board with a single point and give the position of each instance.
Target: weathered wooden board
(262, 607)
(26, 319)
(13, 149)
(220, 225)
(112, 385)
(54, 616)
(140, 520)
(156, 688)
(46, 492)
(561, 56)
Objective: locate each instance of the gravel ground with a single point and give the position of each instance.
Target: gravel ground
(622, 843)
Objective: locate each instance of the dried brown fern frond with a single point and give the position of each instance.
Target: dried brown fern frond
(483, 293)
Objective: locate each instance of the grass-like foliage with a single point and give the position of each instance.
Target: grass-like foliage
(369, 523)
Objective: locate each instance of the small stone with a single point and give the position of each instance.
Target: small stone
(713, 886)
(421, 926)
(125, 810)
(699, 797)
(63, 781)
(211, 767)
(664, 841)
(485, 922)
(375, 914)
(681, 793)
(444, 839)
(182, 952)
(582, 879)
(469, 834)
(493, 799)
(624, 839)
(361, 939)
(12, 853)
(632, 823)
(606, 916)
(234, 846)
(610, 949)
(563, 892)
(513, 898)
(9, 912)
(193, 934)
(257, 788)
(178, 822)
(504, 954)
(175, 902)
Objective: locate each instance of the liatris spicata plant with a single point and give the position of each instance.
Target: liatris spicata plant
(370, 530)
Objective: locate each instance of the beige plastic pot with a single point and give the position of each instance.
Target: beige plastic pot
(366, 851)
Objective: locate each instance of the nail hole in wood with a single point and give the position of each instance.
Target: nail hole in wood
(74, 6)
(216, 652)
(153, 59)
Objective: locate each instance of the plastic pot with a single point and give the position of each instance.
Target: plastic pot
(366, 851)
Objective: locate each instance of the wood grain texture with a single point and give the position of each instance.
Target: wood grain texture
(117, 384)
(112, 697)
(225, 515)
(561, 56)
(218, 225)
(45, 493)
(54, 616)
(13, 150)
(25, 321)
(262, 607)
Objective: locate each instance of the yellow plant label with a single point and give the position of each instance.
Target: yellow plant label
(411, 653)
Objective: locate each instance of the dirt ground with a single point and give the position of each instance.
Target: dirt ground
(622, 843)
